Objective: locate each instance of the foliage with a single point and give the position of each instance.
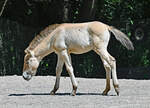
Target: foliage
(127, 15)
(21, 21)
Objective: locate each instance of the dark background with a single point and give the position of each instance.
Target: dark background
(21, 20)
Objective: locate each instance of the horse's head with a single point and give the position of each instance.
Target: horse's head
(31, 64)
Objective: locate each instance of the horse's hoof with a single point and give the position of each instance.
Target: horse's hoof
(73, 93)
(117, 93)
(117, 90)
(104, 93)
(52, 93)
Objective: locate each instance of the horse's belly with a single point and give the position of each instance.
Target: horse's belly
(79, 50)
(78, 40)
(79, 45)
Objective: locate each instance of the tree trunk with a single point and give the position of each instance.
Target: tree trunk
(66, 11)
(87, 10)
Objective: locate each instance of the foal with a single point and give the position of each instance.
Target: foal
(64, 39)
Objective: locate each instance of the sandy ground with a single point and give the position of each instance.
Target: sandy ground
(15, 92)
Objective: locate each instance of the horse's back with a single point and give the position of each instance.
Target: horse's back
(78, 38)
(74, 37)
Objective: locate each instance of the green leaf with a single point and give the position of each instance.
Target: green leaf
(76, 12)
(131, 21)
(46, 65)
(11, 48)
(13, 57)
(129, 34)
(29, 12)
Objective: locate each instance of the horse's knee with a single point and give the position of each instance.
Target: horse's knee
(107, 67)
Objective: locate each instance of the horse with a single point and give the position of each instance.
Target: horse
(76, 38)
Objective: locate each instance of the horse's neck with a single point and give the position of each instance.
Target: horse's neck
(41, 52)
(43, 48)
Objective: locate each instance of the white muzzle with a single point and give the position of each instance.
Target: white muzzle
(27, 76)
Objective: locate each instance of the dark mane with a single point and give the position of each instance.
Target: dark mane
(44, 33)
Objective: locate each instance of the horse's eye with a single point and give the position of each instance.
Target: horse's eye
(27, 62)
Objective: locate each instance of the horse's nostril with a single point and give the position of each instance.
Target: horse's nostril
(26, 76)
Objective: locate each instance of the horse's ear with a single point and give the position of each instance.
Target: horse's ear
(32, 53)
(27, 51)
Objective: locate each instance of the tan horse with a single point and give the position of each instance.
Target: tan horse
(64, 39)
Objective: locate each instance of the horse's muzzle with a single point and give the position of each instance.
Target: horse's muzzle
(26, 76)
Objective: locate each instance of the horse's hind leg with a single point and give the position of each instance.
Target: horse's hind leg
(112, 62)
(59, 67)
(108, 76)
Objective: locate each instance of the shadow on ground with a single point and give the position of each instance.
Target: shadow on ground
(59, 94)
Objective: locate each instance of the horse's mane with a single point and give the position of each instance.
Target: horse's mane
(38, 38)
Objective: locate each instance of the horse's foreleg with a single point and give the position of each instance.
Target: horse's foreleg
(67, 60)
(59, 67)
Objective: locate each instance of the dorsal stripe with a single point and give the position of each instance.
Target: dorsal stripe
(42, 35)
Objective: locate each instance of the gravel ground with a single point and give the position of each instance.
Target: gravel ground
(15, 92)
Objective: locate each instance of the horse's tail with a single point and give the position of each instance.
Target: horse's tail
(120, 36)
